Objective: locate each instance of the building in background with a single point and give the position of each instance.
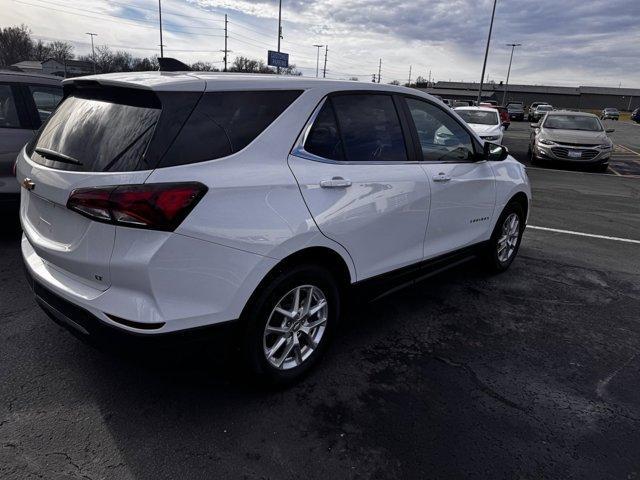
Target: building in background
(578, 98)
(67, 68)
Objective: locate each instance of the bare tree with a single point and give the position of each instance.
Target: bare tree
(145, 64)
(16, 45)
(249, 65)
(60, 51)
(204, 67)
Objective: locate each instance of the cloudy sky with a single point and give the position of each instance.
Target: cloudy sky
(565, 42)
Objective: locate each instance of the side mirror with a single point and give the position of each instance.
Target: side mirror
(534, 125)
(610, 130)
(494, 152)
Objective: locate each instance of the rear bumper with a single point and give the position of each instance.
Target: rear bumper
(176, 285)
(88, 326)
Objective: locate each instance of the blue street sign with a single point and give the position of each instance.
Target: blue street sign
(278, 59)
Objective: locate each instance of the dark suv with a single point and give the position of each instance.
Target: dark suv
(516, 110)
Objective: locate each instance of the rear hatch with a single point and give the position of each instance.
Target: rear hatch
(100, 135)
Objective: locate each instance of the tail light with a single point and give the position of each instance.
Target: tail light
(156, 206)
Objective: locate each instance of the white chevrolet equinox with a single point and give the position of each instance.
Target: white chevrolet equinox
(160, 203)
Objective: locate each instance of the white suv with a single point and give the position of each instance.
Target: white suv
(159, 203)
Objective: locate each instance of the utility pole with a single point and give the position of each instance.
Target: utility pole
(409, 82)
(506, 86)
(279, 27)
(160, 18)
(429, 82)
(486, 53)
(318, 59)
(226, 51)
(93, 52)
(324, 70)
(379, 69)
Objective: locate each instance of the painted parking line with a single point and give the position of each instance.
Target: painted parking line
(627, 150)
(582, 234)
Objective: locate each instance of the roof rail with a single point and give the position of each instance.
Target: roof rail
(168, 64)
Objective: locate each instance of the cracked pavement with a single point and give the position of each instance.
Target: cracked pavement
(531, 374)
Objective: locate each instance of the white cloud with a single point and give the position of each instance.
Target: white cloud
(585, 42)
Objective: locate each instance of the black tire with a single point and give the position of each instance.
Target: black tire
(257, 313)
(492, 261)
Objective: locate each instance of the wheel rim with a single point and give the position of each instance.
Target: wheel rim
(295, 327)
(508, 240)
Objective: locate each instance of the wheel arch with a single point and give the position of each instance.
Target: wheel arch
(521, 199)
(318, 255)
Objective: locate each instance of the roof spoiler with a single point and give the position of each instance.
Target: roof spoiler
(168, 64)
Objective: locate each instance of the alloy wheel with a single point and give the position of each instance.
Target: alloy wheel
(508, 240)
(295, 327)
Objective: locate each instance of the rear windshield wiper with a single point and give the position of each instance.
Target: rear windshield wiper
(58, 157)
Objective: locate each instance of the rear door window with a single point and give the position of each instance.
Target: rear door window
(226, 122)
(46, 99)
(370, 128)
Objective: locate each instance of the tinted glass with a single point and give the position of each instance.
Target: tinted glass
(573, 122)
(370, 128)
(544, 108)
(224, 123)
(324, 138)
(8, 112)
(46, 99)
(441, 137)
(100, 135)
(479, 117)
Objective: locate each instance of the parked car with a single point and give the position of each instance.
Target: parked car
(610, 114)
(541, 111)
(485, 121)
(462, 103)
(532, 108)
(571, 137)
(196, 200)
(635, 115)
(492, 103)
(516, 110)
(26, 100)
(504, 117)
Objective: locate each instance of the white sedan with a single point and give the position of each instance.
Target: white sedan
(484, 121)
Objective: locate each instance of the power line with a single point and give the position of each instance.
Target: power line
(135, 23)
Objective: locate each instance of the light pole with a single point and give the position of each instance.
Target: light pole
(486, 53)
(318, 59)
(93, 52)
(160, 19)
(506, 86)
(279, 27)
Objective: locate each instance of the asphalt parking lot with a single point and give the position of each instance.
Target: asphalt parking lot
(531, 374)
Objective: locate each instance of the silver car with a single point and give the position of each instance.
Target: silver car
(571, 137)
(26, 100)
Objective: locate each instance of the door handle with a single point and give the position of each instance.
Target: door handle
(441, 177)
(335, 182)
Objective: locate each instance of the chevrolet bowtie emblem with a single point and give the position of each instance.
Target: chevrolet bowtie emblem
(28, 184)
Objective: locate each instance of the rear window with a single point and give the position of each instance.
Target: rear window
(117, 130)
(225, 122)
